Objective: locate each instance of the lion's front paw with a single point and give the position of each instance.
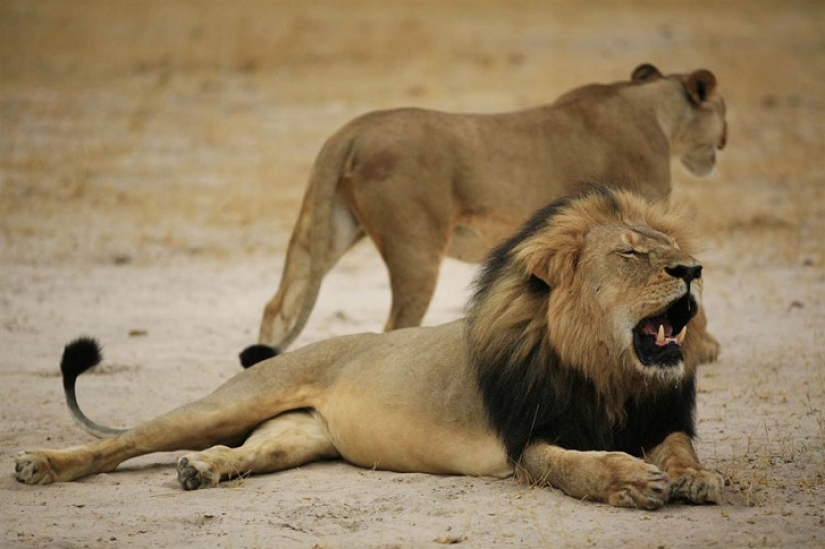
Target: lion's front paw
(193, 473)
(697, 486)
(636, 483)
(33, 468)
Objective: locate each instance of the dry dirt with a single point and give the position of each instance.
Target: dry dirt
(152, 159)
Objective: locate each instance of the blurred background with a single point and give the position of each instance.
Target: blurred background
(155, 130)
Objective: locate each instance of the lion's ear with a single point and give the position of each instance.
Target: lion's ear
(540, 278)
(645, 72)
(700, 85)
(552, 253)
(557, 268)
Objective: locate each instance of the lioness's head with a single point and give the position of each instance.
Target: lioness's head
(698, 122)
(605, 284)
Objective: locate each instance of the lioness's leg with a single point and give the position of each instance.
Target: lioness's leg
(412, 248)
(689, 480)
(286, 441)
(309, 258)
(413, 285)
(612, 477)
(408, 213)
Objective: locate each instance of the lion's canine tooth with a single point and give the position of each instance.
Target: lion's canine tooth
(681, 337)
(660, 338)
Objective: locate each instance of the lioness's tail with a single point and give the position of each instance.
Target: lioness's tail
(325, 229)
(78, 356)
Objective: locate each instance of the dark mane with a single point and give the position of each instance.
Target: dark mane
(529, 395)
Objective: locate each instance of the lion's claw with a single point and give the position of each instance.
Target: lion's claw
(698, 486)
(649, 493)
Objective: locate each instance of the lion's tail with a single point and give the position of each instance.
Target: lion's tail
(325, 229)
(79, 356)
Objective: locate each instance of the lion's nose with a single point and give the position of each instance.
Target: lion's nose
(685, 272)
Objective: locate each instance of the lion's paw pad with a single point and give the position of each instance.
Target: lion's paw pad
(32, 468)
(194, 474)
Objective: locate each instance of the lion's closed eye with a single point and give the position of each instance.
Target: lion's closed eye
(632, 253)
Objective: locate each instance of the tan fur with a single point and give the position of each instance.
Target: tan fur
(424, 185)
(409, 400)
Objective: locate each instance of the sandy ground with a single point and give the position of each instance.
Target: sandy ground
(152, 159)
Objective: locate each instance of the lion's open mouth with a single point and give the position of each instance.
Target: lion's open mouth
(658, 339)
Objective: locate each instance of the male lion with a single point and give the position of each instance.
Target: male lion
(575, 369)
(424, 184)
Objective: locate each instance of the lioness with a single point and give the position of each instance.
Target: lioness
(425, 184)
(575, 368)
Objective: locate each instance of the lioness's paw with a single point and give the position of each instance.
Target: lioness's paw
(636, 483)
(194, 473)
(697, 486)
(33, 468)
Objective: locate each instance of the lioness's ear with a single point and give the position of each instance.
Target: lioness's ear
(700, 84)
(645, 72)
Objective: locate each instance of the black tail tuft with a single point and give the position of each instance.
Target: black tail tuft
(257, 353)
(78, 356)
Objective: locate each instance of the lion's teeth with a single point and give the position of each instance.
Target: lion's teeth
(681, 337)
(660, 337)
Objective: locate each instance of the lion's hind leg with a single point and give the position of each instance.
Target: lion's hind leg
(611, 477)
(286, 441)
(99, 456)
